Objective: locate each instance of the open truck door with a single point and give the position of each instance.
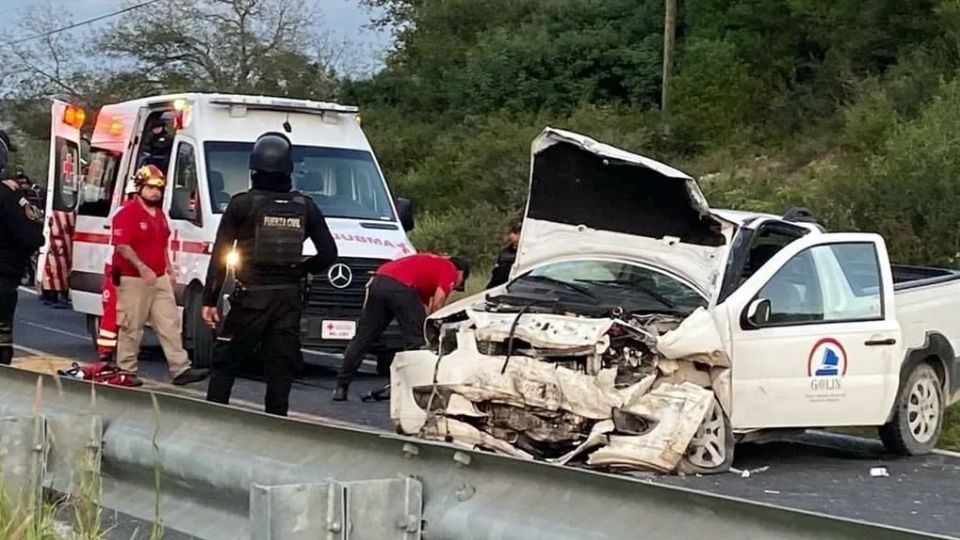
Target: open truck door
(63, 188)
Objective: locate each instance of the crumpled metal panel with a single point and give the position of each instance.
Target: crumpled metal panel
(75, 448)
(556, 332)
(22, 448)
(298, 512)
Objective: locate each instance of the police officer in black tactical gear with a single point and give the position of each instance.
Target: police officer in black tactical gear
(268, 224)
(21, 234)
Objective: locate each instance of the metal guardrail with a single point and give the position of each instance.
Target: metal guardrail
(229, 473)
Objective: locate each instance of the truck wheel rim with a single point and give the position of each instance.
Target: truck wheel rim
(708, 449)
(923, 410)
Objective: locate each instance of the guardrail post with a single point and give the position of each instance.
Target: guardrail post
(361, 510)
(297, 512)
(75, 448)
(22, 449)
(384, 509)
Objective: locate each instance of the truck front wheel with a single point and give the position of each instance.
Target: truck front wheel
(711, 450)
(918, 414)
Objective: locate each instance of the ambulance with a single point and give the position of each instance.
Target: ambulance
(208, 138)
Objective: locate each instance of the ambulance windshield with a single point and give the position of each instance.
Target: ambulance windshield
(344, 183)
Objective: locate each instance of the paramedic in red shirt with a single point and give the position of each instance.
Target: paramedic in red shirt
(107, 332)
(145, 288)
(407, 289)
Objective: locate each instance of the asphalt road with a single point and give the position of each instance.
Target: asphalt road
(816, 472)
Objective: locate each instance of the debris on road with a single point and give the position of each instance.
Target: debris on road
(879, 472)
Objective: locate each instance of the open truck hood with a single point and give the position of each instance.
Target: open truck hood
(587, 198)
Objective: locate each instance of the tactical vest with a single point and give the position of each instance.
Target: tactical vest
(281, 224)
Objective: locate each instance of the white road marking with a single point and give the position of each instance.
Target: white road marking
(368, 363)
(28, 290)
(54, 330)
(28, 350)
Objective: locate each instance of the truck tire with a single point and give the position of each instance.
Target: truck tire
(201, 348)
(711, 450)
(384, 359)
(918, 414)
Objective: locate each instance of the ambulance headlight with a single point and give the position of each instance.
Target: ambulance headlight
(233, 258)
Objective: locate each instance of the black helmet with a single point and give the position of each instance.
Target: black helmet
(271, 154)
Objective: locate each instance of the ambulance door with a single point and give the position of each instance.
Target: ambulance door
(189, 242)
(108, 174)
(63, 186)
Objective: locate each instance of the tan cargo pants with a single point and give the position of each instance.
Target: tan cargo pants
(138, 303)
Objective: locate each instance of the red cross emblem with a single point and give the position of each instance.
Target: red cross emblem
(175, 245)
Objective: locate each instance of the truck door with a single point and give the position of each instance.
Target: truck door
(63, 183)
(814, 335)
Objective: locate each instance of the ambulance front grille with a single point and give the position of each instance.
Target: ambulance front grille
(327, 299)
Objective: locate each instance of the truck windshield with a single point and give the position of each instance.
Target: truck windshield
(344, 183)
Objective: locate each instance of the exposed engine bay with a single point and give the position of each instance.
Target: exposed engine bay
(621, 391)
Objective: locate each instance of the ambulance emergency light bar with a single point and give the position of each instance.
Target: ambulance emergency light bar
(239, 104)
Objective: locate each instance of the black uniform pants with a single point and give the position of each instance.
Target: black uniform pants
(387, 299)
(264, 320)
(8, 305)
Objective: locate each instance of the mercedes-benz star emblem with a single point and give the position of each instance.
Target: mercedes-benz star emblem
(340, 276)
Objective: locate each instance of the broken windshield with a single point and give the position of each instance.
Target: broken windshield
(633, 287)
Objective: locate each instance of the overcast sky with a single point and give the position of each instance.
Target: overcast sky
(344, 18)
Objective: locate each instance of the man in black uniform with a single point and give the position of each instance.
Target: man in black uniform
(501, 270)
(21, 233)
(268, 224)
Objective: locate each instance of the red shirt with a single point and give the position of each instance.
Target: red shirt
(423, 272)
(147, 235)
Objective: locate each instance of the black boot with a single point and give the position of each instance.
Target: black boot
(340, 393)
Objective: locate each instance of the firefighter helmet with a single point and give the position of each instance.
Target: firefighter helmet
(149, 175)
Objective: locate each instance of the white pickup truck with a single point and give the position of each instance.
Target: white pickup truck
(630, 298)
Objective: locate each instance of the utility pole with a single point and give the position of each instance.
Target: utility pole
(669, 39)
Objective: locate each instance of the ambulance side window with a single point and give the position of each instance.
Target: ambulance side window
(186, 195)
(98, 184)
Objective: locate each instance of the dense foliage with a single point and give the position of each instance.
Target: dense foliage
(848, 107)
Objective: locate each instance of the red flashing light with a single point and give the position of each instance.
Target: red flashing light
(74, 116)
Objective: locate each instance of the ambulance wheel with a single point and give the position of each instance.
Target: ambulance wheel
(918, 414)
(201, 349)
(93, 328)
(711, 450)
(384, 359)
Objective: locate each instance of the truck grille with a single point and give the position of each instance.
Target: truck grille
(327, 299)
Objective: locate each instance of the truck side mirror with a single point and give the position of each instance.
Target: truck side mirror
(758, 313)
(183, 206)
(405, 210)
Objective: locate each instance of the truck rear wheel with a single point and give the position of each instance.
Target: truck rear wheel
(918, 414)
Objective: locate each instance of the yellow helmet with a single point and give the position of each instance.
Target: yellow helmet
(149, 175)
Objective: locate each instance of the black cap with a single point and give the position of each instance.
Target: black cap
(272, 154)
(463, 265)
